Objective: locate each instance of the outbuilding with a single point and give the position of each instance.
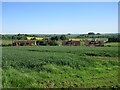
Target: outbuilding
(94, 43)
(24, 43)
(71, 43)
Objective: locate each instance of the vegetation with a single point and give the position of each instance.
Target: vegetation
(112, 44)
(113, 39)
(89, 35)
(53, 66)
(60, 67)
(55, 39)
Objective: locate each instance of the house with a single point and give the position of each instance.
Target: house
(24, 43)
(71, 43)
(94, 43)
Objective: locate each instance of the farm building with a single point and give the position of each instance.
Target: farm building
(71, 43)
(24, 43)
(94, 43)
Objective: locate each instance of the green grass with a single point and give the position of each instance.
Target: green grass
(112, 44)
(60, 67)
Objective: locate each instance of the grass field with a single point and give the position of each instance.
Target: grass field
(60, 67)
(113, 44)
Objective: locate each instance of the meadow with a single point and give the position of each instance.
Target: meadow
(60, 67)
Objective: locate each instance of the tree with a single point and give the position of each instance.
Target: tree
(43, 43)
(18, 34)
(98, 34)
(52, 43)
(19, 38)
(25, 38)
(55, 38)
(91, 33)
(63, 37)
(33, 38)
(68, 34)
(26, 35)
(13, 37)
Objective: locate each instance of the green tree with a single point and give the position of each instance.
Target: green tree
(63, 37)
(33, 38)
(54, 38)
(91, 33)
(98, 34)
(52, 43)
(43, 43)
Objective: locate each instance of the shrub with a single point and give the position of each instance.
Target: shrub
(52, 43)
(44, 43)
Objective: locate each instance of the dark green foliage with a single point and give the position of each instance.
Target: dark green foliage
(113, 39)
(47, 43)
(63, 37)
(98, 34)
(52, 43)
(55, 38)
(33, 38)
(91, 33)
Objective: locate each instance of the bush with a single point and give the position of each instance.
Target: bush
(43, 43)
(52, 43)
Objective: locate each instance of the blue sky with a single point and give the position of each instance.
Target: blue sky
(59, 17)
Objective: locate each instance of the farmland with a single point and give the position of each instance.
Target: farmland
(60, 67)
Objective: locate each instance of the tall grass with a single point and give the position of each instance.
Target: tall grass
(60, 67)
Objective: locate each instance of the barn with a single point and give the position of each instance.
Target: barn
(71, 43)
(24, 43)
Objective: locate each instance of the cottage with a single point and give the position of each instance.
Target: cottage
(24, 43)
(71, 43)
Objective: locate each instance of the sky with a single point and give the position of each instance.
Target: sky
(59, 17)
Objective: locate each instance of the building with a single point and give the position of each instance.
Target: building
(24, 43)
(94, 43)
(71, 43)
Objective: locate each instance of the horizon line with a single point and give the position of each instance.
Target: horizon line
(58, 33)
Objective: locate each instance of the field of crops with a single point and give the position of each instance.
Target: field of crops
(60, 67)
